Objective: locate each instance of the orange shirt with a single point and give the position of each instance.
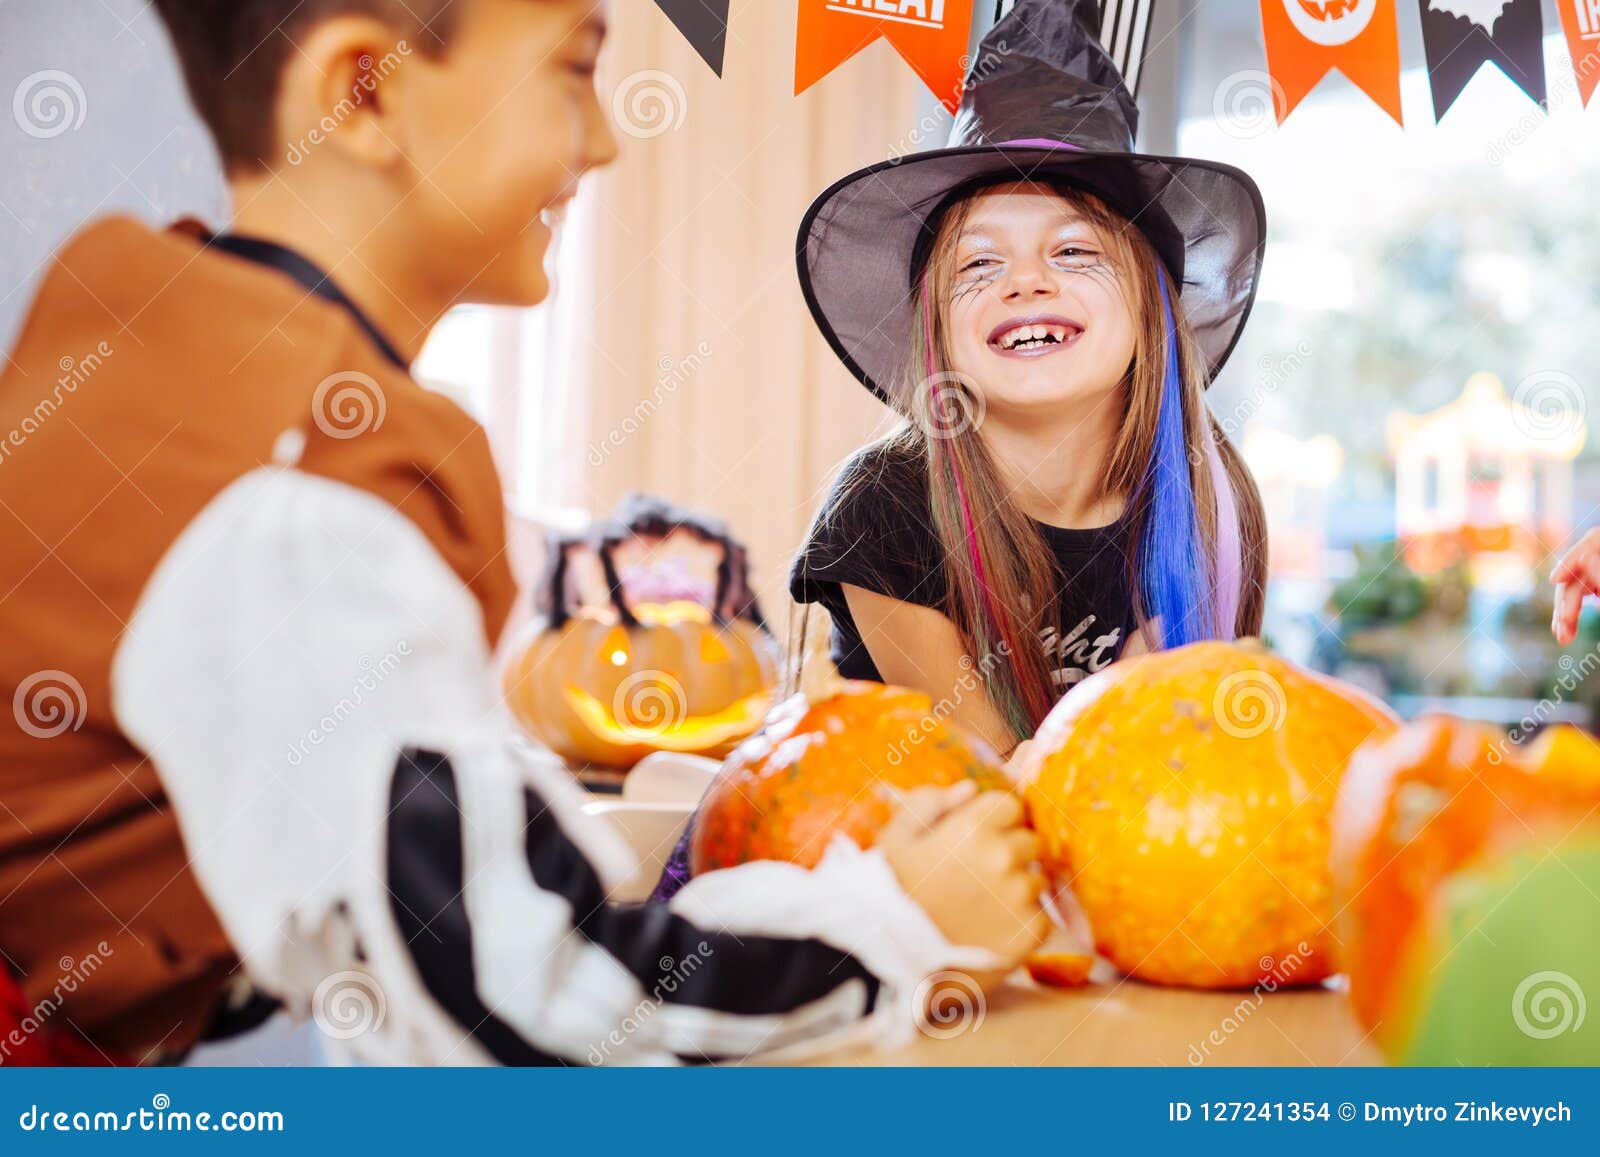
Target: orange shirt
(152, 373)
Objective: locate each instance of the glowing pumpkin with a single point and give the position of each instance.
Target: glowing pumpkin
(664, 659)
(829, 767)
(1184, 797)
(1468, 876)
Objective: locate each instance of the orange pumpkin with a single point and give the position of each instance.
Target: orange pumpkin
(690, 667)
(1420, 814)
(1184, 796)
(820, 768)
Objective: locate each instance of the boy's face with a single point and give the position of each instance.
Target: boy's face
(499, 127)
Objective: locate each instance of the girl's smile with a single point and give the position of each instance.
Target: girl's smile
(1034, 335)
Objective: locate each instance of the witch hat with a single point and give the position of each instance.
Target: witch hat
(1043, 102)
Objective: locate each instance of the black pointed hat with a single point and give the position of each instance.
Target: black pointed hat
(1043, 102)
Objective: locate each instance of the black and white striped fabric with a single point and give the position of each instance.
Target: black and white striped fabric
(1124, 30)
(384, 861)
(702, 989)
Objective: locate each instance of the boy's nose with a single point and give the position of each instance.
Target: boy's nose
(602, 143)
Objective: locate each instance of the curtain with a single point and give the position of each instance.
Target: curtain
(693, 368)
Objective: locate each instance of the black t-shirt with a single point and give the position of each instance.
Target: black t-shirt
(876, 532)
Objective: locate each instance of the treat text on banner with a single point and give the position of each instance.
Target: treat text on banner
(931, 35)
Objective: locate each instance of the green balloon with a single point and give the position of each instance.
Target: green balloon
(1516, 963)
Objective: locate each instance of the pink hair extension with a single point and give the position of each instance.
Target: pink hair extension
(968, 523)
(1229, 568)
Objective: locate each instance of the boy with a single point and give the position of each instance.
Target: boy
(258, 574)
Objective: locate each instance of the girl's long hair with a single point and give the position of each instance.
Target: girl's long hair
(1196, 532)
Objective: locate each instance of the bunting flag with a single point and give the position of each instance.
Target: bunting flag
(1307, 39)
(704, 24)
(1581, 20)
(1460, 36)
(930, 34)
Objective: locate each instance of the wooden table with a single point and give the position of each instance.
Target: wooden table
(1123, 1022)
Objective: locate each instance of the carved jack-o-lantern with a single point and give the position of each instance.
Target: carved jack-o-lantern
(664, 651)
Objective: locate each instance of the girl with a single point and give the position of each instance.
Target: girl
(1058, 495)
(1045, 308)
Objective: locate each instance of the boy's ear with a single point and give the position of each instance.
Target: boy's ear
(340, 91)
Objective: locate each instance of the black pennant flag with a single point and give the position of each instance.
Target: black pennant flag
(1460, 36)
(704, 24)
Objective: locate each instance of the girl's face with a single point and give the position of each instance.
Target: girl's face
(1037, 314)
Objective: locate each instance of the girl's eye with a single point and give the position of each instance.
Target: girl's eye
(977, 263)
(1074, 251)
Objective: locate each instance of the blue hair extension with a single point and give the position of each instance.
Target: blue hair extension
(1173, 572)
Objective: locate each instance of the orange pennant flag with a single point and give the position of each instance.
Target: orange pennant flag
(930, 34)
(1581, 19)
(1307, 39)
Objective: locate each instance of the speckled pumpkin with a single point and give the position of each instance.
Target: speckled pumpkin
(1459, 865)
(1185, 797)
(818, 768)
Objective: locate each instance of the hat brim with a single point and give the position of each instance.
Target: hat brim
(856, 241)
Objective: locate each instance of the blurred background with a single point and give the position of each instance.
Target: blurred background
(1412, 391)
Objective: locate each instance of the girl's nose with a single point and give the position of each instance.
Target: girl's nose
(1029, 282)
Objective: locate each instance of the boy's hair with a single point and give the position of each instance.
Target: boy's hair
(233, 53)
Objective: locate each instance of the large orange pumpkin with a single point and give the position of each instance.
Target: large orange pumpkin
(821, 768)
(1425, 824)
(1184, 796)
(609, 677)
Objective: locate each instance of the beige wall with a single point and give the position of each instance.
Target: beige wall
(693, 240)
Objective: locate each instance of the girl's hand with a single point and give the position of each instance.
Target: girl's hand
(1576, 575)
(1022, 764)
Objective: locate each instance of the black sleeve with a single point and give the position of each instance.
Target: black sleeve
(703, 994)
(875, 532)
